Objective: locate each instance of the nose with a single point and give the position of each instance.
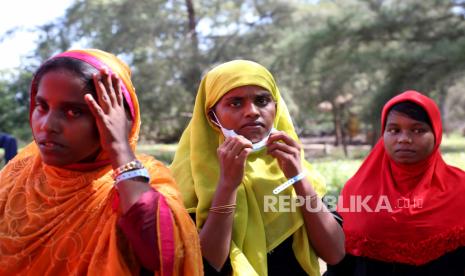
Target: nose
(251, 110)
(404, 138)
(51, 123)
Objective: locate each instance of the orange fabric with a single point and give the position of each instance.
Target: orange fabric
(56, 221)
(427, 201)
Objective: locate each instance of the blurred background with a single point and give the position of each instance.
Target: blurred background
(336, 63)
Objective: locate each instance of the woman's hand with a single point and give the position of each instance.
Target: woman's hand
(110, 114)
(232, 155)
(287, 151)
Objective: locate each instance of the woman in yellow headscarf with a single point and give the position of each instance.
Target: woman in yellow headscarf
(78, 200)
(227, 178)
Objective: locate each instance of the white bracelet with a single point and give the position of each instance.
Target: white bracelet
(288, 183)
(132, 174)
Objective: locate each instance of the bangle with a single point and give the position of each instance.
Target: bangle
(133, 174)
(132, 165)
(223, 209)
(288, 183)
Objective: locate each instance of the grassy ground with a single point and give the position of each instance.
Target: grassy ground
(336, 168)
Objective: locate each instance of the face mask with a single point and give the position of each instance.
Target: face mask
(231, 133)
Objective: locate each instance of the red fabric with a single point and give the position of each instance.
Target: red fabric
(427, 199)
(166, 238)
(140, 228)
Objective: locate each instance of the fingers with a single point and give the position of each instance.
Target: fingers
(233, 147)
(108, 88)
(281, 135)
(283, 147)
(117, 87)
(94, 106)
(107, 80)
(102, 95)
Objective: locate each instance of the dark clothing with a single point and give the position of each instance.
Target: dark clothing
(450, 264)
(8, 143)
(281, 261)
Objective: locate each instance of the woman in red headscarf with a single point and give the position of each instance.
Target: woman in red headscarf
(78, 200)
(403, 209)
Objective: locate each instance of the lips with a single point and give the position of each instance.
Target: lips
(49, 145)
(253, 125)
(405, 152)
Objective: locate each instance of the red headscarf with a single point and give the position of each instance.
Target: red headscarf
(415, 212)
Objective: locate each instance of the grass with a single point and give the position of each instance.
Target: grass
(335, 168)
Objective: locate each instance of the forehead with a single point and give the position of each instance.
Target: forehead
(246, 92)
(61, 85)
(399, 118)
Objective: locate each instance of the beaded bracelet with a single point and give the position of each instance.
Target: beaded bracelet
(134, 164)
(288, 183)
(133, 174)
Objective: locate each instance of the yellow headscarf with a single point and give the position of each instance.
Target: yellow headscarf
(196, 170)
(57, 221)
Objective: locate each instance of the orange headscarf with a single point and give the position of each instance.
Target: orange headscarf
(57, 221)
(415, 212)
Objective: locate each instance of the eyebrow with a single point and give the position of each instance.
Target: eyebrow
(259, 94)
(74, 104)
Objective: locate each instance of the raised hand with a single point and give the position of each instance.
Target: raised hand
(112, 122)
(232, 155)
(287, 151)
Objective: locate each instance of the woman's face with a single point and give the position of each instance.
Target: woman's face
(62, 124)
(248, 110)
(406, 140)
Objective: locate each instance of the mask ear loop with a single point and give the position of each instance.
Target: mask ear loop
(215, 119)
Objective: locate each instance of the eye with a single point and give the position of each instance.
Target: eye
(262, 100)
(392, 130)
(235, 103)
(419, 130)
(41, 107)
(73, 112)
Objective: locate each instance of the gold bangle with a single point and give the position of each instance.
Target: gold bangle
(223, 209)
(229, 211)
(226, 206)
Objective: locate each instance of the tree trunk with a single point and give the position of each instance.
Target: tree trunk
(193, 74)
(442, 106)
(337, 124)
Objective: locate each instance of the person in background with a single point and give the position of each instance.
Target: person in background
(9, 145)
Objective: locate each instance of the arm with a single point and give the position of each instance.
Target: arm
(324, 233)
(139, 226)
(136, 198)
(114, 126)
(215, 236)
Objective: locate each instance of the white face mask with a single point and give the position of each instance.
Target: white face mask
(231, 133)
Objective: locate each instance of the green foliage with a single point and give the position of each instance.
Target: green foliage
(317, 51)
(14, 105)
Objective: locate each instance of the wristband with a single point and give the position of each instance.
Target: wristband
(133, 174)
(288, 183)
(134, 164)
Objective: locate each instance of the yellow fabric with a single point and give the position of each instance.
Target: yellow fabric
(55, 221)
(196, 170)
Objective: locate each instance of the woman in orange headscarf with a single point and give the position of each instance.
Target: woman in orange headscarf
(78, 200)
(411, 221)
